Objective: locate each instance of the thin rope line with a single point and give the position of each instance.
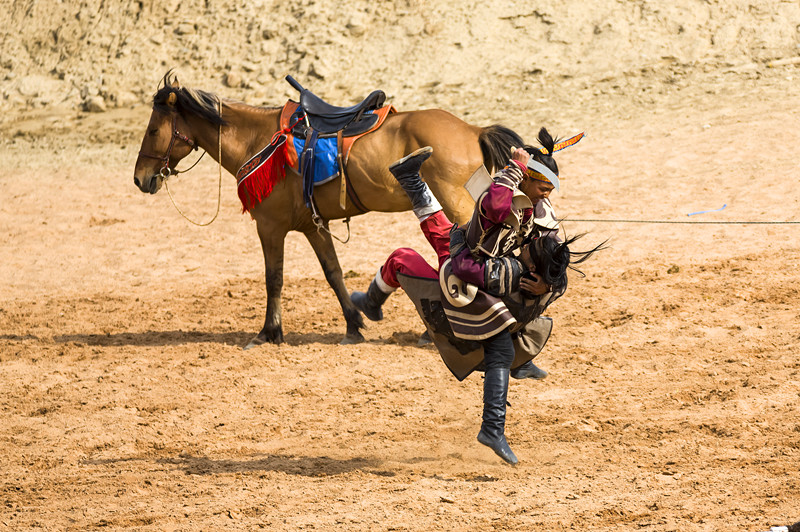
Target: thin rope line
(219, 185)
(679, 222)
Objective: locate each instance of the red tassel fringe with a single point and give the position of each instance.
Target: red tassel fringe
(259, 184)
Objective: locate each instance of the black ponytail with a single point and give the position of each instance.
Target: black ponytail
(552, 259)
(548, 143)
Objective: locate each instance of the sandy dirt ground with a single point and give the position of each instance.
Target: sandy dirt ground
(673, 400)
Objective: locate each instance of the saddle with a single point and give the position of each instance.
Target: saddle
(328, 119)
(324, 134)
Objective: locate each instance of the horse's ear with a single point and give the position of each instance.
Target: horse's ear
(171, 99)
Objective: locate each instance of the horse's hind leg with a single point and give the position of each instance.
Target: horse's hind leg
(272, 246)
(322, 244)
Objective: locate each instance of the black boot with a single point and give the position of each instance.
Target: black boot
(406, 171)
(370, 303)
(528, 370)
(492, 434)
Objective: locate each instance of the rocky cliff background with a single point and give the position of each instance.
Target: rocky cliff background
(97, 54)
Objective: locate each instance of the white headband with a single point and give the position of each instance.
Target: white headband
(536, 166)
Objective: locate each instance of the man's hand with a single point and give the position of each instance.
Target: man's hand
(532, 285)
(522, 156)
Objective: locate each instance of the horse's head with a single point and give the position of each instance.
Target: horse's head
(169, 137)
(163, 144)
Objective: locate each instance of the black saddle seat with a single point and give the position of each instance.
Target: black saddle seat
(326, 118)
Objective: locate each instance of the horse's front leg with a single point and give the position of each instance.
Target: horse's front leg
(322, 244)
(272, 241)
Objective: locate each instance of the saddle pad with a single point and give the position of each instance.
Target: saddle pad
(326, 166)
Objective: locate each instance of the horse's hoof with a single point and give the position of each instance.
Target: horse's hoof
(255, 342)
(261, 340)
(351, 339)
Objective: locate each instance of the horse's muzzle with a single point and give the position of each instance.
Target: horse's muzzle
(152, 186)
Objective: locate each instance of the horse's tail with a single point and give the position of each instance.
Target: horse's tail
(496, 142)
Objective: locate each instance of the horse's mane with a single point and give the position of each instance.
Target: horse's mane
(194, 101)
(496, 142)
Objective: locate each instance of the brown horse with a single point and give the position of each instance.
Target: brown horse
(184, 119)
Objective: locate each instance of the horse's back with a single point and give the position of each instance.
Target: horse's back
(456, 155)
(431, 127)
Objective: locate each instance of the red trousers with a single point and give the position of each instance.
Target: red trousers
(436, 229)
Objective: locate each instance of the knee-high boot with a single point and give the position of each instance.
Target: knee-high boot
(495, 393)
(406, 171)
(371, 301)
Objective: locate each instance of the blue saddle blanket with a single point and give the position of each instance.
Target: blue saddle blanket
(326, 166)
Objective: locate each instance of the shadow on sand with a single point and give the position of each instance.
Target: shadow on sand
(237, 339)
(310, 466)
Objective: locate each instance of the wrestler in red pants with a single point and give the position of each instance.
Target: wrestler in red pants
(407, 261)
(498, 349)
(434, 225)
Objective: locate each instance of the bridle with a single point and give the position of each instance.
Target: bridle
(165, 171)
